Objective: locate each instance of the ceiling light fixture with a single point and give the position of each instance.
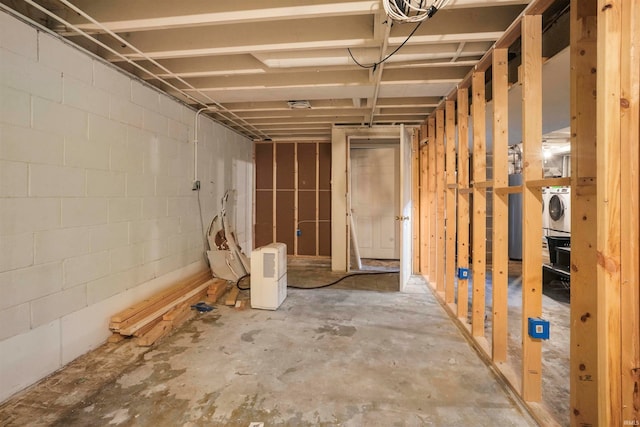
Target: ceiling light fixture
(299, 105)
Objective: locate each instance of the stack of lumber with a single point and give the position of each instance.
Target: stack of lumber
(153, 318)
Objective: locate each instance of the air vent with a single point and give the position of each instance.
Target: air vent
(299, 105)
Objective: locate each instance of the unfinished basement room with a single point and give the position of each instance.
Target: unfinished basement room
(320, 213)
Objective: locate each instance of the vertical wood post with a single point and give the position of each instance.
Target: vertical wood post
(463, 199)
(440, 188)
(500, 248)
(629, 208)
(583, 353)
(415, 199)
(424, 205)
(478, 275)
(433, 202)
(531, 203)
(450, 192)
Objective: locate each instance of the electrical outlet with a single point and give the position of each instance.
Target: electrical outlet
(196, 185)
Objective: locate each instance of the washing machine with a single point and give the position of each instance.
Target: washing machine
(545, 213)
(559, 211)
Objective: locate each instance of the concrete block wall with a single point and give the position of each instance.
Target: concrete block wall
(96, 203)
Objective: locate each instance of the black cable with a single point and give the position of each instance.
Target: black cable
(375, 64)
(240, 280)
(326, 285)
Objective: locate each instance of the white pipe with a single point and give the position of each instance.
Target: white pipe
(195, 144)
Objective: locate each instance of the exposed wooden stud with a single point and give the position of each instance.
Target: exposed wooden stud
(629, 208)
(583, 351)
(548, 182)
(516, 189)
(424, 208)
(274, 188)
(296, 214)
(450, 193)
(608, 241)
(440, 179)
(317, 199)
(479, 245)
(415, 199)
(433, 202)
(531, 202)
(463, 200)
(500, 240)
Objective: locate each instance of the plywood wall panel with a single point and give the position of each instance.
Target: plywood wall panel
(285, 217)
(264, 166)
(306, 166)
(264, 218)
(324, 154)
(285, 166)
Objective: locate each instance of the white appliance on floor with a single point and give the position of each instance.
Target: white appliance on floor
(545, 212)
(559, 211)
(269, 276)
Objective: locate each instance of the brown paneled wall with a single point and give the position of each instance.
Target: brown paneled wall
(293, 196)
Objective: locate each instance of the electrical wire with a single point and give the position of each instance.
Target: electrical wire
(411, 10)
(326, 285)
(375, 64)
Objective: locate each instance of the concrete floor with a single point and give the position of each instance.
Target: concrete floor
(326, 357)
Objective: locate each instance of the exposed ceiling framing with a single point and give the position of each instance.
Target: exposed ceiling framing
(248, 59)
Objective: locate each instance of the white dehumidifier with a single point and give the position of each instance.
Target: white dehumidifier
(269, 276)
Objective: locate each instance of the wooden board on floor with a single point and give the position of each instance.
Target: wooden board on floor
(217, 289)
(232, 296)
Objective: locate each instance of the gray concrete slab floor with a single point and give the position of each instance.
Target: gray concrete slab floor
(325, 357)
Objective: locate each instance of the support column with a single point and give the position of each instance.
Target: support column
(433, 203)
(450, 194)
(463, 200)
(440, 180)
(531, 203)
(583, 354)
(500, 248)
(479, 241)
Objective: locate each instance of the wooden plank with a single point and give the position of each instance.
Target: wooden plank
(415, 199)
(115, 338)
(478, 275)
(500, 240)
(440, 179)
(433, 220)
(463, 201)
(450, 195)
(629, 208)
(232, 296)
(160, 330)
(138, 307)
(130, 329)
(146, 328)
(482, 184)
(515, 189)
(548, 182)
(531, 202)
(583, 345)
(217, 289)
(424, 210)
(608, 195)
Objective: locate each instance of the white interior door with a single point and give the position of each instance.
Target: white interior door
(374, 200)
(405, 207)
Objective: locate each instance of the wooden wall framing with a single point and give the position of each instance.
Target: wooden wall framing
(293, 196)
(450, 197)
(605, 181)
